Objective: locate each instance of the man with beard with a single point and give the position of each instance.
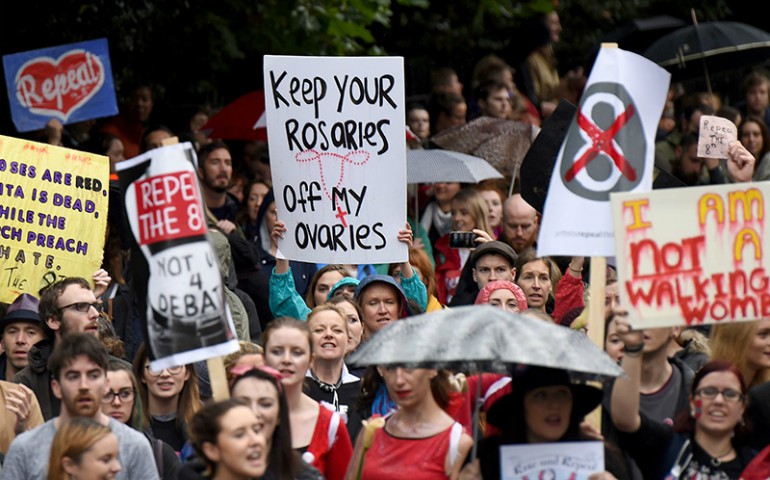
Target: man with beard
(215, 171)
(521, 223)
(66, 307)
(687, 166)
(78, 367)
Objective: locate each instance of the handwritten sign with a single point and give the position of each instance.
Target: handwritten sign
(608, 148)
(553, 461)
(176, 274)
(693, 255)
(337, 126)
(715, 136)
(53, 215)
(70, 82)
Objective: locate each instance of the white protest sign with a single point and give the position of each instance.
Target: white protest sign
(693, 255)
(554, 461)
(715, 136)
(609, 147)
(335, 130)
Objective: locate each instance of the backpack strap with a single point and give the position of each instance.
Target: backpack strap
(454, 442)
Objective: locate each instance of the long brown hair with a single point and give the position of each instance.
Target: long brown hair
(310, 296)
(729, 343)
(189, 398)
(73, 438)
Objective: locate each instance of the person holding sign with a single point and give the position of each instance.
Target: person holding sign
(544, 406)
(706, 441)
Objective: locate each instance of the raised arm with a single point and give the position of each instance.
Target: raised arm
(625, 391)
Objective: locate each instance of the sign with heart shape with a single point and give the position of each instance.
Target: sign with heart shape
(70, 82)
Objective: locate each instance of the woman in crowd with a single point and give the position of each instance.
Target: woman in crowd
(419, 439)
(705, 442)
(122, 403)
(83, 449)
(535, 277)
(503, 294)
(261, 389)
(317, 432)
(436, 218)
(227, 434)
(469, 214)
(754, 134)
(745, 345)
(494, 197)
(329, 381)
(418, 121)
(354, 316)
(248, 355)
(267, 245)
(170, 398)
(544, 406)
(254, 193)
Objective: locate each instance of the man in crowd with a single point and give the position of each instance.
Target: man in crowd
(78, 367)
(66, 307)
(215, 171)
(494, 99)
(20, 328)
(521, 223)
(489, 261)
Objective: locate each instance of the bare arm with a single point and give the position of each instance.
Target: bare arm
(406, 237)
(281, 264)
(625, 392)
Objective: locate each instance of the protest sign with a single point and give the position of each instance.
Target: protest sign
(336, 136)
(715, 136)
(53, 215)
(693, 255)
(608, 148)
(554, 461)
(176, 275)
(70, 82)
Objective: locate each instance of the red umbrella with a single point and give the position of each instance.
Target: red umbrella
(240, 119)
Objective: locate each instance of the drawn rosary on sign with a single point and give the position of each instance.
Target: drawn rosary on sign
(331, 167)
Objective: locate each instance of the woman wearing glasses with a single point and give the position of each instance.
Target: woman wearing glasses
(706, 442)
(170, 398)
(122, 403)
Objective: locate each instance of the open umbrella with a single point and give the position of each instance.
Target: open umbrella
(639, 33)
(502, 143)
(437, 165)
(477, 338)
(240, 119)
(723, 46)
(485, 338)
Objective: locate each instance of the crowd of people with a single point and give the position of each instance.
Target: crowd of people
(81, 400)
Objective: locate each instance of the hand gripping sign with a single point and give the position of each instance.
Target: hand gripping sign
(608, 148)
(186, 315)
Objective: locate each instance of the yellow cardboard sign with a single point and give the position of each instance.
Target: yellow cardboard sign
(53, 215)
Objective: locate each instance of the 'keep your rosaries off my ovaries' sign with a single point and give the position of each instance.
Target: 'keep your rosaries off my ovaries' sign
(693, 255)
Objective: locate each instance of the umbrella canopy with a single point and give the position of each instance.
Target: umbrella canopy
(638, 34)
(722, 45)
(502, 143)
(240, 119)
(436, 165)
(482, 337)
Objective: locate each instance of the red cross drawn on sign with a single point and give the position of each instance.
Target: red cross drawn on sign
(341, 216)
(602, 142)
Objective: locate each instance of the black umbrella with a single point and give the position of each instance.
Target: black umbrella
(638, 34)
(696, 50)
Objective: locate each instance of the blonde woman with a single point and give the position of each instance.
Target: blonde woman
(84, 448)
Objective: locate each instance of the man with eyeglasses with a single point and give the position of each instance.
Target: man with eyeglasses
(521, 223)
(66, 307)
(79, 364)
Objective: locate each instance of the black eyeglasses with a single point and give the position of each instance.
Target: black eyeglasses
(124, 395)
(172, 370)
(83, 307)
(710, 393)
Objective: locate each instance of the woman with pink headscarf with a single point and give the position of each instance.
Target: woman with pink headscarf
(503, 294)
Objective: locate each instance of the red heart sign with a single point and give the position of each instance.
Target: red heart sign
(59, 87)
